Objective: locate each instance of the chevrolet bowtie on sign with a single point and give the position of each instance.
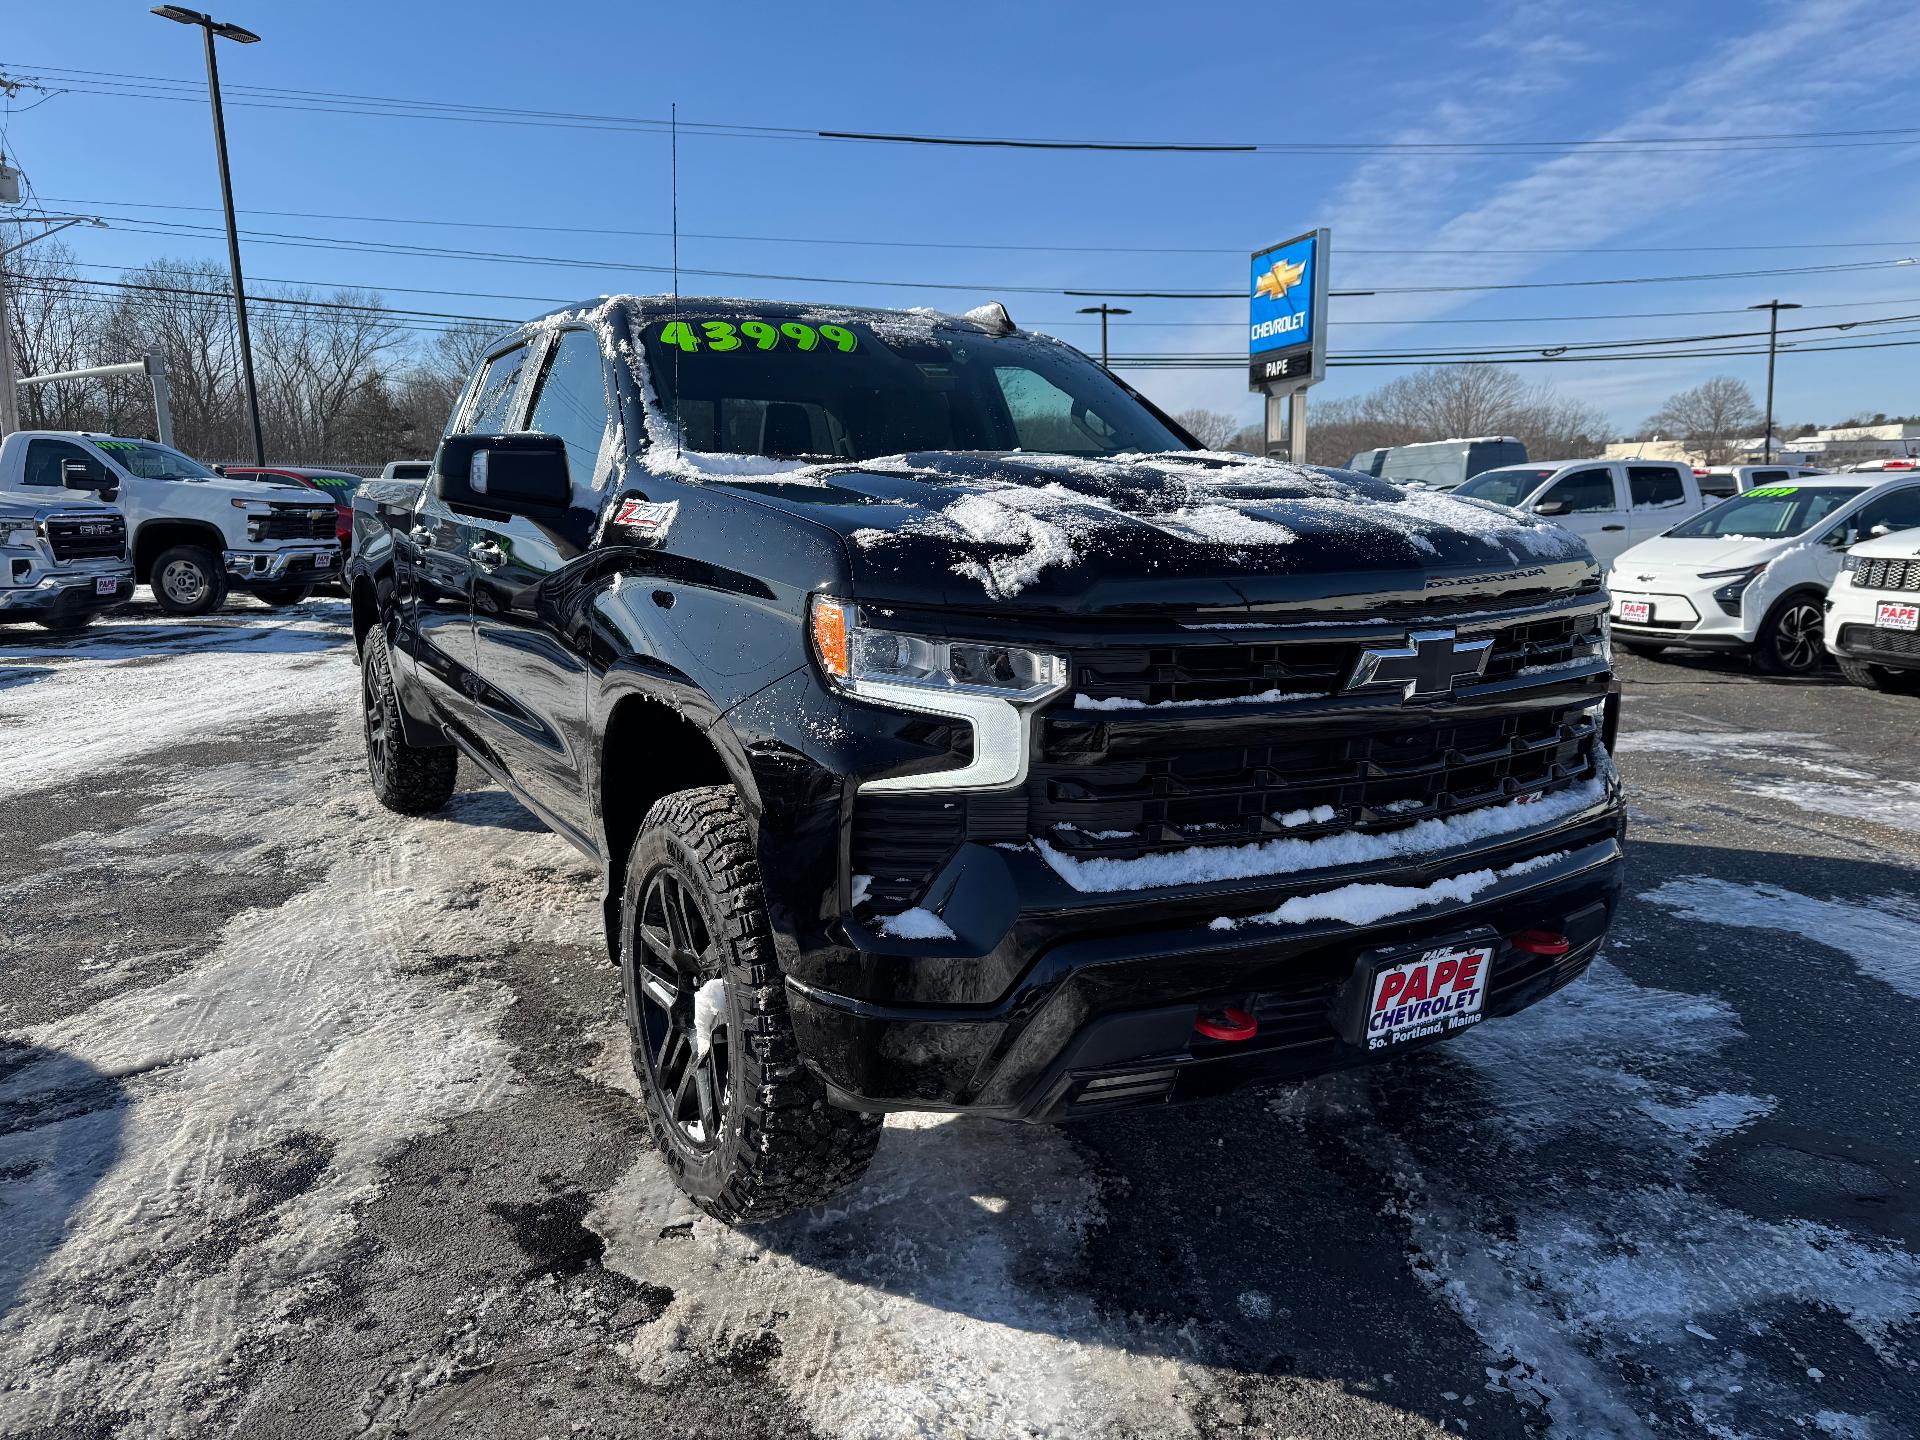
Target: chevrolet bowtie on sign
(1280, 279)
(1427, 667)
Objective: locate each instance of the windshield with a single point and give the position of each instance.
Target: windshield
(793, 390)
(1769, 513)
(1504, 487)
(148, 461)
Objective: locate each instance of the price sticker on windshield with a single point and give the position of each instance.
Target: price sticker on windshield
(722, 336)
(1774, 492)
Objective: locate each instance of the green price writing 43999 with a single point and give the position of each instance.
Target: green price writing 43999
(723, 335)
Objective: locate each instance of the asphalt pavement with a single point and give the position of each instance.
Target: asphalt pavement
(316, 1121)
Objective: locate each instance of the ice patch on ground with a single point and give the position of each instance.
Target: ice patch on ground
(317, 1034)
(1881, 936)
(920, 1303)
(1583, 1277)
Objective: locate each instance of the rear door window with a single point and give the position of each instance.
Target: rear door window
(1584, 492)
(1654, 487)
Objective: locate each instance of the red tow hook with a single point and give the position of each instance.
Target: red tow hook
(1541, 942)
(1230, 1023)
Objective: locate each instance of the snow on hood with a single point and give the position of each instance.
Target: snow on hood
(1008, 521)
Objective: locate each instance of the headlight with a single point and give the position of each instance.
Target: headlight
(1727, 597)
(994, 688)
(23, 536)
(858, 657)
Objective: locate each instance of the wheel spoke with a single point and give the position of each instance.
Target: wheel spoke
(709, 1100)
(659, 991)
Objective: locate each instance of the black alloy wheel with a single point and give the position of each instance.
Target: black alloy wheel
(681, 997)
(1791, 642)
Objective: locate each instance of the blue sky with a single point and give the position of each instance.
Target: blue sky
(1521, 70)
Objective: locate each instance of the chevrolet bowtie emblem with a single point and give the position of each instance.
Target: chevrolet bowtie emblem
(1281, 278)
(1428, 666)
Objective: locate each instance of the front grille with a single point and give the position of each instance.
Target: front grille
(1888, 574)
(1097, 791)
(900, 841)
(1880, 640)
(1208, 672)
(284, 523)
(87, 537)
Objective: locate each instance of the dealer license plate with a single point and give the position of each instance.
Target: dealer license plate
(1637, 612)
(322, 562)
(1891, 616)
(106, 585)
(1439, 991)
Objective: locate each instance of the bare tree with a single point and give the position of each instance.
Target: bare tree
(1709, 418)
(1214, 429)
(1454, 402)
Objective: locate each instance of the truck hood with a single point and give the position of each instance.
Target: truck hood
(1167, 533)
(18, 511)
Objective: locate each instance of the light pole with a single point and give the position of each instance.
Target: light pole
(1773, 309)
(1103, 310)
(209, 27)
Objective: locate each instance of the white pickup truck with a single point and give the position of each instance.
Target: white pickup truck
(1610, 504)
(194, 534)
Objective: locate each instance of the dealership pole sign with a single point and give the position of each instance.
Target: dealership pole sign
(1287, 309)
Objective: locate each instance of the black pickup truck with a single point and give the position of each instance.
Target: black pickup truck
(953, 734)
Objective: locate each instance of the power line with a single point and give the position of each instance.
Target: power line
(836, 242)
(188, 229)
(126, 85)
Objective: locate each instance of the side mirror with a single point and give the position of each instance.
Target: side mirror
(79, 475)
(504, 474)
(1551, 507)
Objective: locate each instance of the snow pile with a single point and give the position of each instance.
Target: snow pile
(1211, 864)
(1368, 904)
(709, 1014)
(915, 924)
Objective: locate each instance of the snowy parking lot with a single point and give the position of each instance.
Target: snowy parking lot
(318, 1122)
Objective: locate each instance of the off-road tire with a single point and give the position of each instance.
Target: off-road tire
(1780, 646)
(68, 624)
(1645, 652)
(281, 595)
(407, 779)
(167, 580)
(1878, 677)
(780, 1145)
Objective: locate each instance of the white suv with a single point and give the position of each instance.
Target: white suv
(1873, 612)
(1610, 504)
(1752, 573)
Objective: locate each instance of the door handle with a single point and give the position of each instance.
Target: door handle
(421, 537)
(485, 552)
(1613, 527)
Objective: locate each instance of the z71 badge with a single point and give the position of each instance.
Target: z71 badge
(648, 520)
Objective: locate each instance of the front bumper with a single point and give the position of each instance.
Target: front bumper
(1107, 1020)
(303, 564)
(1684, 614)
(1853, 628)
(67, 592)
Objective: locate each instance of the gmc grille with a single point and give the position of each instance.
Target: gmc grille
(1888, 574)
(89, 537)
(283, 523)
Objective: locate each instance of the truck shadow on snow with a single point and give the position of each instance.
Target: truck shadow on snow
(311, 628)
(61, 1123)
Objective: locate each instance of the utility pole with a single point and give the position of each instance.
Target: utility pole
(209, 28)
(1103, 310)
(1773, 309)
